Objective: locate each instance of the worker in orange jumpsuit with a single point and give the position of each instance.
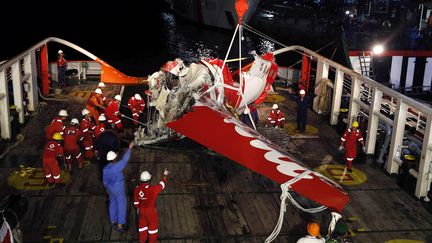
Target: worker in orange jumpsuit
(145, 196)
(72, 136)
(349, 142)
(112, 112)
(136, 104)
(276, 117)
(101, 127)
(95, 104)
(56, 125)
(101, 86)
(52, 150)
(87, 126)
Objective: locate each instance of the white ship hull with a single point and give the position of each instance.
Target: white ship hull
(216, 13)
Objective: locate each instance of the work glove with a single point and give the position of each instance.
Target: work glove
(166, 172)
(364, 149)
(341, 148)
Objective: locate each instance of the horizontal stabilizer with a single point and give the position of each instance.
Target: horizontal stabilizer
(214, 127)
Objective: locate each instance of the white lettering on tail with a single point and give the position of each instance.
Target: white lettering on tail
(285, 167)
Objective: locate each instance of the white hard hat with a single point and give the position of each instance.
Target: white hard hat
(145, 176)
(102, 118)
(85, 112)
(60, 52)
(63, 113)
(137, 96)
(302, 92)
(101, 84)
(98, 91)
(111, 155)
(117, 97)
(74, 121)
(275, 106)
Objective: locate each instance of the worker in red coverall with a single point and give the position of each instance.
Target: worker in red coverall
(61, 68)
(52, 150)
(112, 112)
(87, 126)
(136, 104)
(349, 142)
(101, 127)
(72, 136)
(56, 125)
(276, 117)
(145, 196)
(95, 104)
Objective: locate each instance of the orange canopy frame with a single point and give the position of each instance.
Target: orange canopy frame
(111, 75)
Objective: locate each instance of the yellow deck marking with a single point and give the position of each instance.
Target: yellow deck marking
(34, 180)
(46, 237)
(274, 98)
(55, 240)
(353, 218)
(51, 227)
(81, 94)
(404, 241)
(310, 130)
(336, 173)
(361, 230)
(351, 232)
(343, 175)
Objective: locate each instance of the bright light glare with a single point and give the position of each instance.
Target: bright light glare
(347, 12)
(378, 49)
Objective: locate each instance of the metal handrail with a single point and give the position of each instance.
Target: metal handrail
(43, 42)
(388, 91)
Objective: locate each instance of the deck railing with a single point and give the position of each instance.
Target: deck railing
(19, 81)
(382, 105)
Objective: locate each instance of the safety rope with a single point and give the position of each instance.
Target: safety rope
(284, 195)
(257, 32)
(19, 139)
(332, 225)
(219, 75)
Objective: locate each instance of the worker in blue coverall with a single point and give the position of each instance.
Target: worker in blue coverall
(113, 181)
(302, 107)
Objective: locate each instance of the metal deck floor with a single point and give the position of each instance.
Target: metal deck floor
(209, 198)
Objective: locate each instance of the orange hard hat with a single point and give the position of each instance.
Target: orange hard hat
(313, 229)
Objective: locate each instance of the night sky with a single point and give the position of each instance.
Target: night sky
(114, 31)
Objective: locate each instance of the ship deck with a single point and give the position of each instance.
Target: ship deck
(208, 197)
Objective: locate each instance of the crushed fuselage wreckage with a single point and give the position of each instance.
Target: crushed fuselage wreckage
(176, 88)
(203, 100)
